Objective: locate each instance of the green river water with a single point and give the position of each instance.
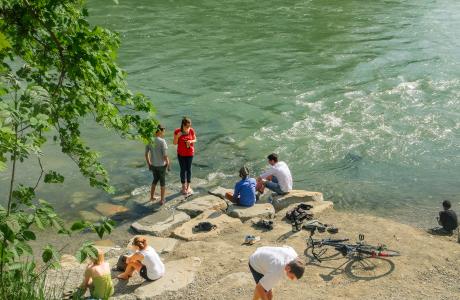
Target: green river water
(360, 98)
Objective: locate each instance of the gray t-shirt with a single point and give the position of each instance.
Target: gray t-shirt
(157, 151)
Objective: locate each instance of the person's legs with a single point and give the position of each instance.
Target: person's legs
(154, 183)
(130, 268)
(188, 170)
(275, 187)
(181, 160)
(162, 178)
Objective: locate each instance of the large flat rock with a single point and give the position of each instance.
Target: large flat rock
(222, 222)
(295, 196)
(263, 210)
(150, 224)
(161, 245)
(220, 192)
(198, 205)
(318, 208)
(179, 274)
(107, 209)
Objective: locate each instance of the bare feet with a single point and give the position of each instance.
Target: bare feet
(155, 198)
(122, 276)
(162, 201)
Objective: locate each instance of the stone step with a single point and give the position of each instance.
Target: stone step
(161, 245)
(221, 220)
(179, 274)
(150, 224)
(198, 205)
(318, 208)
(263, 210)
(295, 196)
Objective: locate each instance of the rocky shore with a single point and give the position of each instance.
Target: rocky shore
(213, 264)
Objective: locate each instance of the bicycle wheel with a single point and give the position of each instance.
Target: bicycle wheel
(369, 268)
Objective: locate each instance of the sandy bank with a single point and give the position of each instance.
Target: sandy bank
(429, 267)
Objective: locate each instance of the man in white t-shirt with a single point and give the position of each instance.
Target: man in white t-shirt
(268, 265)
(277, 178)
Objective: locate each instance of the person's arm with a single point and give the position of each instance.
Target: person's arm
(168, 162)
(87, 277)
(147, 156)
(236, 193)
(137, 256)
(176, 137)
(193, 139)
(260, 293)
(268, 172)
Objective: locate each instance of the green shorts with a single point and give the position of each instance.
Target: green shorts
(159, 174)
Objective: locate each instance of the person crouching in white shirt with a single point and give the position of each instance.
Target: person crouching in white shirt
(277, 178)
(269, 265)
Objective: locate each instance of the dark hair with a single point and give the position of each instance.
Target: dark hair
(159, 128)
(185, 121)
(244, 172)
(297, 268)
(140, 242)
(446, 204)
(273, 157)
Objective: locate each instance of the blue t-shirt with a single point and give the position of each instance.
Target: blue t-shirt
(245, 192)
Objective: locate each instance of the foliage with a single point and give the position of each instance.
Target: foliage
(56, 71)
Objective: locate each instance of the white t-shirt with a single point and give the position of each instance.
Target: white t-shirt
(271, 261)
(281, 171)
(154, 265)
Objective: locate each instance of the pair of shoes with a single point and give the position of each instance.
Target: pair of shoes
(204, 226)
(251, 239)
(265, 224)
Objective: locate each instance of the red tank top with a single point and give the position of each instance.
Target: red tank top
(182, 149)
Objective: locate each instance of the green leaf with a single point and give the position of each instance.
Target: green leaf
(79, 225)
(29, 235)
(13, 224)
(53, 177)
(4, 43)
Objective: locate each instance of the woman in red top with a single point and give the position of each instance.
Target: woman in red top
(184, 138)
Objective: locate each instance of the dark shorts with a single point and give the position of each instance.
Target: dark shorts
(257, 276)
(143, 273)
(159, 174)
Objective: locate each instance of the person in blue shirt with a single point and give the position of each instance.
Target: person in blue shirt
(245, 190)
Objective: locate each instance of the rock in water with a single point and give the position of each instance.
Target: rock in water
(108, 209)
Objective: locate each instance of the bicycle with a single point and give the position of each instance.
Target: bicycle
(365, 261)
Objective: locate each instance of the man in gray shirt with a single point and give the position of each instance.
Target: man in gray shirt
(158, 161)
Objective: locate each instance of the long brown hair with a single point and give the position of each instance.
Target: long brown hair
(99, 259)
(140, 242)
(185, 121)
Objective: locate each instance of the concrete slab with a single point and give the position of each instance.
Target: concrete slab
(295, 196)
(263, 210)
(198, 205)
(161, 245)
(222, 221)
(179, 274)
(150, 224)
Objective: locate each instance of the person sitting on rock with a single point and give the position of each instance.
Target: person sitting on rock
(447, 218)
(245, 190)
(268, 265)
(98, 278)
(276, 178)
(145, 261)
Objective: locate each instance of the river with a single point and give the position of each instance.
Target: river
(360, 98)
